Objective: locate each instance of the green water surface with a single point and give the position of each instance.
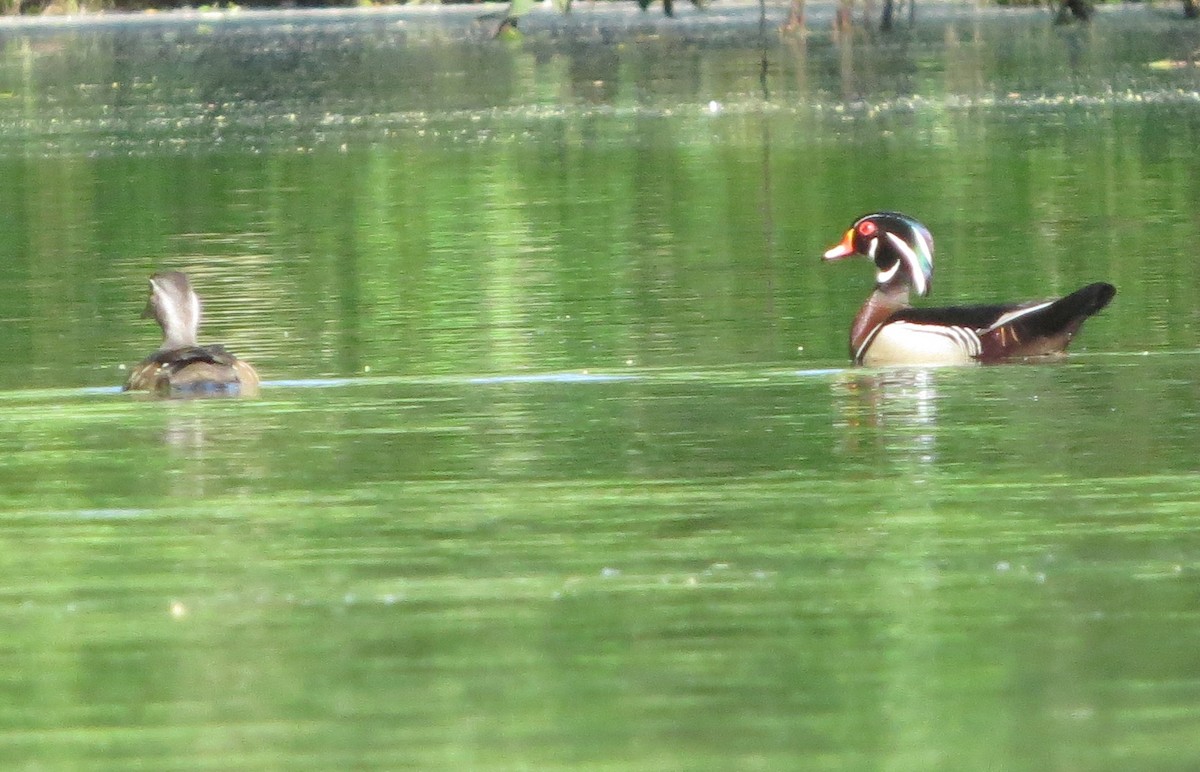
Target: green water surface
(559, 462)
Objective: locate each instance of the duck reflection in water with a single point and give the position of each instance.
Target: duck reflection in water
(181, 367)
(894, 411)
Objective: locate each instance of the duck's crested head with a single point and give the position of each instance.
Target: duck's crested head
(901, 247)
(176, 307)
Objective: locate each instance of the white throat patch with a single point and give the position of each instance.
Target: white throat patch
(883, 277)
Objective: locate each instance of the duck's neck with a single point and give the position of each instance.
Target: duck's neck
(180, 320)
(177, 339)
(883, 303)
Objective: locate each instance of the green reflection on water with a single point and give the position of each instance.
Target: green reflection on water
(558, 464)
(678, 569)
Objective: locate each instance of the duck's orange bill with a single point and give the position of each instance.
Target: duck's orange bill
(843, 249)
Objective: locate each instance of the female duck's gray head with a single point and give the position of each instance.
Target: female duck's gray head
(176, 307)
(901, 247)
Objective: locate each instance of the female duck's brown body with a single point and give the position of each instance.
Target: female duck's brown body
(181, 366)
(889, 331)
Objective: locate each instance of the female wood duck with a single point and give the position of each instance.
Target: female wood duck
(888, 331)
(181, 366)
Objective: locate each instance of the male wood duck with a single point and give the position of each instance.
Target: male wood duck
(181, 366)
(888, 331)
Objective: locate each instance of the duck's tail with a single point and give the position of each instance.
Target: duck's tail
(1066, 314)
(1043, 329)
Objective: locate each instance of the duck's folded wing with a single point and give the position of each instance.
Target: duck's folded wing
(182, 357)
(1018, 329)
(185, 366)
(977, 318)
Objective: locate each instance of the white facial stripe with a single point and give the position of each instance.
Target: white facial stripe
(915, 271)
(926, 246)
(871, 249)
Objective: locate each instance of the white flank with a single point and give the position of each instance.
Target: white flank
(909, 343)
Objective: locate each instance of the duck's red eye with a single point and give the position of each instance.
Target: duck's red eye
(867, 229)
